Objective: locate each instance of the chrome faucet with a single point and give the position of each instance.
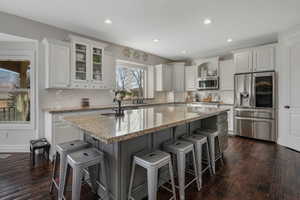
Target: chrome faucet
(119, 111)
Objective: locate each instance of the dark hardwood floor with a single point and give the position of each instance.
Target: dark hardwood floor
(253, 170)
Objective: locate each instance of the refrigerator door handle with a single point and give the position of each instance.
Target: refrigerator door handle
(254, 119)
(253, 93)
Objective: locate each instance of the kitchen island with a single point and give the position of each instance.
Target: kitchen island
(140, 131)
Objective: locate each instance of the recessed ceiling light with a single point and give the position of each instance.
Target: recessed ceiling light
(183, 51)
(207, 21)
(155, 40)
(108, 21)
(229, 40)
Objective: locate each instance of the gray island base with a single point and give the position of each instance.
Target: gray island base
(139, 132)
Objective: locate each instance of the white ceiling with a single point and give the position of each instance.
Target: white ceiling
(178, 24)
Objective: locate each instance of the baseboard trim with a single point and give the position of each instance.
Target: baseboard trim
(14, 148)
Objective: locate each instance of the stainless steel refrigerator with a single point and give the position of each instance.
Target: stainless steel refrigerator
(255, 105)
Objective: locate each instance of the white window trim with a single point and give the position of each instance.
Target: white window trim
(23, 55)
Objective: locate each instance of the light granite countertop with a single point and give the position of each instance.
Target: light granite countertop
(141, 121)
(101, 107)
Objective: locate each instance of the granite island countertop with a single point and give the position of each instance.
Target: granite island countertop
(103, 107)
(141, 121)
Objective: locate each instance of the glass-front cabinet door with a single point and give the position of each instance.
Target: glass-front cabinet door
(81, 64)
(97, 62)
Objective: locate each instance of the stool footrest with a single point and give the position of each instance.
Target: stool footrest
(55, 183)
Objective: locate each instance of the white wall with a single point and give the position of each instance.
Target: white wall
(22, 27)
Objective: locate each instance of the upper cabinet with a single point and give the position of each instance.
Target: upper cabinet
(243, 61)
(87, 63)
(190, 78)
(226, 71)
(264, 58)
(109, 69)
(178, 77)
(170, 77)
(255, 59)
(79, 64)
(57, 63)
(163, 75)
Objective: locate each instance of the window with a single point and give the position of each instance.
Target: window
(15, 91)
(131, 78)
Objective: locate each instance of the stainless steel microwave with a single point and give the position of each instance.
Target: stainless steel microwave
(208, 83)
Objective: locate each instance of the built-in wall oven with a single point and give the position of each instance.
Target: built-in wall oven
(255, 110)
(208, 83)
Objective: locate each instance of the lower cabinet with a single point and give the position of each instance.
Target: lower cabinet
(57, 130)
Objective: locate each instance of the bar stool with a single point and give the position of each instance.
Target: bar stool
(152, 162)
(198, 142)
(62, 150)
(39, 144)
(180, 149)
(90, 159)
(215, 151)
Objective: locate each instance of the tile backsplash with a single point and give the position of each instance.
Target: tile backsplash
(54, 98)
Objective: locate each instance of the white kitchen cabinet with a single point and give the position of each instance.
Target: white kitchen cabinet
(109, 69)
(96, 65)
(243, 61)
(87, 63)
(178, 77)
(57, 63)
(57, 130)
(190, 78)
(264, 58)
(80, 64)
(226, 71)
(163, 75)
(256, 59)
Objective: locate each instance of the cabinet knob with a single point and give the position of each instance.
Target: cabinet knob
(287, 107)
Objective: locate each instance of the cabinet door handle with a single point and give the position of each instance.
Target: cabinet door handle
(287, 107)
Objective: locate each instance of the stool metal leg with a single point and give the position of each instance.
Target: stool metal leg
(196, 171)
(152, 176)
(208, 159)
(198, 152)
(181, 174)
(93, 176)
(131, 180)
(220, 151)
(64, 181)
(53, 177)
(76, 183)
(105, 181)
(33, 156)
(62, 174)
(213, 155)
(172, 179)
